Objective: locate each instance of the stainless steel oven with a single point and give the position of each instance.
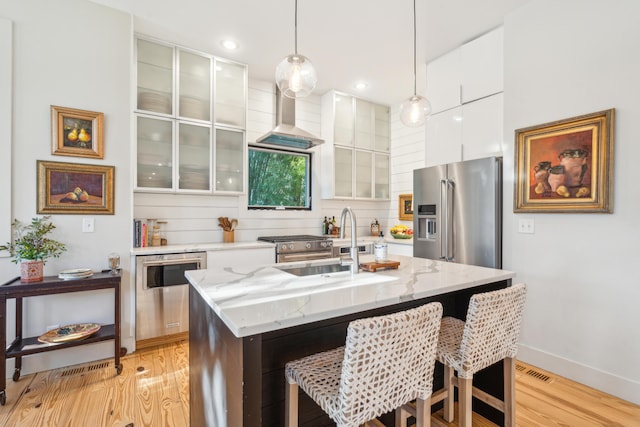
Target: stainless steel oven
(300, 247)
(162, 293)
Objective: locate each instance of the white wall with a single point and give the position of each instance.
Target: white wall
(75, 54)
(564, 59)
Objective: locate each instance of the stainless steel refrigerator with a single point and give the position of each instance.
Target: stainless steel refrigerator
(457, 212)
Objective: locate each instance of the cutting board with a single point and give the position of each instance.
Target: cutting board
(375, 265)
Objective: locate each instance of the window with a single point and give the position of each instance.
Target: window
(279, 179)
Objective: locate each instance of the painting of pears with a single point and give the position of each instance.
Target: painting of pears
(77, 133)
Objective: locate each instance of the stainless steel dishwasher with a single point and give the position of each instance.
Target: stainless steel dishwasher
(162, 293)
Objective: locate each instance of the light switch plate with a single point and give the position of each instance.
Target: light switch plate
(87, 225)
(526, 226)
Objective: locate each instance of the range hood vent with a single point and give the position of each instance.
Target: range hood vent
(286, 134)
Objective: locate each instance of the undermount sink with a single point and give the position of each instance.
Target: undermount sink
(312, 270)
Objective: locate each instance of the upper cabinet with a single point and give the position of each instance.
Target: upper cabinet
(355, 155)
(465, 89)
(482, 62)
(470, 72)
(190, 120)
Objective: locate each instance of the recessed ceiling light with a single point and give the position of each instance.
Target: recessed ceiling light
(361, 85)
(229, 44)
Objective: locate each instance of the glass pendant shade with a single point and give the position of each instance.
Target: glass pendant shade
(295, 76)
(414, 111)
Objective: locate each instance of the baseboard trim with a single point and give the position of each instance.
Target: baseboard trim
(153, 342)
(607, 382)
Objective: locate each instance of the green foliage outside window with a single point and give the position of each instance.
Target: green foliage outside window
(278, 179)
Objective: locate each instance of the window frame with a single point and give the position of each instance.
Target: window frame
(306, 154)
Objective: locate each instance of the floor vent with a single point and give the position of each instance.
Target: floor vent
(72, 371)
(539, 375)
(102, 365)
(520, 367)
(81, 369)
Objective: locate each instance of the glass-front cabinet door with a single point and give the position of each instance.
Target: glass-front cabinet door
(230, 89)
(194, 157)
(184, 99)
(364, 124)
(343, 160)
(154, 77)
(364, 174)
(343, 120)
(382, 128)
(155, 153)
(382, 175)
(230, 160)
(194, 86)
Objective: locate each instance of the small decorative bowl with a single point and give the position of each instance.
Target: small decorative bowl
(402, 236)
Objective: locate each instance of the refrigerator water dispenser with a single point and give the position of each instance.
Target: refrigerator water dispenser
(427, 222)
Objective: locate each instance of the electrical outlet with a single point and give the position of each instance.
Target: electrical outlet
(526, 226)
(87, 225)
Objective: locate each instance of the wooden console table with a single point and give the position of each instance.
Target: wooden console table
(49, 286)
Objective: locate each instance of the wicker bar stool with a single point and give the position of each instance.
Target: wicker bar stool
(490, 334)
(386, 362)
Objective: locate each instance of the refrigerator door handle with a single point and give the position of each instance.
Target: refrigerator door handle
(450, 255)
(444, 234)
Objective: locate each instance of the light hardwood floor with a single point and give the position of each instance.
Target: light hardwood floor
(153, 390)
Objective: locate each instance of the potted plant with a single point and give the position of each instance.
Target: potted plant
(31, 247)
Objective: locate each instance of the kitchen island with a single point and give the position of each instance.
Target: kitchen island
(246, 323)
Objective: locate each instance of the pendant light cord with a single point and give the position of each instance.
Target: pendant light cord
(295, 26)
(415, 92)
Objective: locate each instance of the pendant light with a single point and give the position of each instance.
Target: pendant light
(295, 75)
(414, 111)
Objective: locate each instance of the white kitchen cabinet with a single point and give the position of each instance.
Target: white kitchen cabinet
(482, 66)
(355, 156)
(444, 137)
(443, 81)
(471, 131)
(241, 257)
(400, 248)
(482, 130)
(468, 73)
(183, 144)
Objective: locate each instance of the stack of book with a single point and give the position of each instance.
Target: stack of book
(140, 233)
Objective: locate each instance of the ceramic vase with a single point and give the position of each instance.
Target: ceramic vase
(31, 271)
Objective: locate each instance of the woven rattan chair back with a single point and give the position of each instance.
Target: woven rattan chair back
(388, 361)
(492, 328)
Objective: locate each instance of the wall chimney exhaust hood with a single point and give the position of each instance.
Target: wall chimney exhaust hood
(286, 134)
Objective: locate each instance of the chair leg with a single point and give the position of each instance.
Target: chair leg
(465, 392)
(291, 405)
(423, 412)
(448, 400)
(401, 417)
(509, 364)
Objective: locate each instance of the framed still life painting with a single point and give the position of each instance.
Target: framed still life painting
(565, 166)
(76, 133)
(72, 188)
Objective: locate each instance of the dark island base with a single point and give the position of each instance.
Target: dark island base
(240, 381)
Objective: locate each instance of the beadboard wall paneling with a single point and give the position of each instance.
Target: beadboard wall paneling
(407, 154)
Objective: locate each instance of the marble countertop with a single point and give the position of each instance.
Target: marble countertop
(257, 299)
(199, 247)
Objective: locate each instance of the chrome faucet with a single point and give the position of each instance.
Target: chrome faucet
(353, 249)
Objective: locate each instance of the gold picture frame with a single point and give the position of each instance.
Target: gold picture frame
(405, 207)
(565, 166)
(77, 133)
(73, 188)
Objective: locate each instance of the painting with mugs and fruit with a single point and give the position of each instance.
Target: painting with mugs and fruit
(566, 166)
